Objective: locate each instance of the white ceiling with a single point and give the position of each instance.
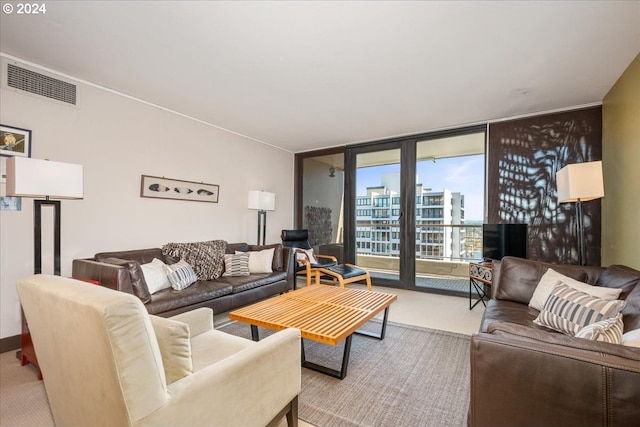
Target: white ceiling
(307, 75)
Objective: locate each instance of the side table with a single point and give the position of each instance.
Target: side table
(480, 275)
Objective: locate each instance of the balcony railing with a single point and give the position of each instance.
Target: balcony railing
(437, 242)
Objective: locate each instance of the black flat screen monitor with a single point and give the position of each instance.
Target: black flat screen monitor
(500, 240)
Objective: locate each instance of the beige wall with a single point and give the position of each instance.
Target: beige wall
(118, 139)
(621, 164)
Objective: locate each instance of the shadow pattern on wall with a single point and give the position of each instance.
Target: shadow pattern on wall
(524, 156)
(318, 221)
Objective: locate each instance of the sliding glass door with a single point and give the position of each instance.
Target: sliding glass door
(378, 213)
(407, 201)
(376, 218)
(449, 211)
(411, 211)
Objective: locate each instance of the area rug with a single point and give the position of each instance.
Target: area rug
(414, 377)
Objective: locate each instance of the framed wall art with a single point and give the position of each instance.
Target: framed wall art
(10, 203)
(15, 141)
(176, 189)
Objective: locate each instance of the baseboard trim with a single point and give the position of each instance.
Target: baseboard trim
(10, 343)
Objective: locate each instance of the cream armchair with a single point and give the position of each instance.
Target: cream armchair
(107, 362)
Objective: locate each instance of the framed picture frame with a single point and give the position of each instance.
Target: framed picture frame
(157, 187)
(15, 141)
(10, 203)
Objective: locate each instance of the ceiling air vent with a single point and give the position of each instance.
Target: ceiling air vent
(39, 84)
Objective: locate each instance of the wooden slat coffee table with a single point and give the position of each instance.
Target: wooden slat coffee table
(325, 314)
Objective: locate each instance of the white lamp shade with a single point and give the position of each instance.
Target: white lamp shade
(29, 177)
(262, 200)
(580, 181)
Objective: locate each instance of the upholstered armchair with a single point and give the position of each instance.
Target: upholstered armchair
(107, 362)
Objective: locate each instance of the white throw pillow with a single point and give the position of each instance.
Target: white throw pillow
(551, 277)
(155, 276)
(260, 261)
(302, 254)
(631, 338)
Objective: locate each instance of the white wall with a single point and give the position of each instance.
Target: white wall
(118, 139)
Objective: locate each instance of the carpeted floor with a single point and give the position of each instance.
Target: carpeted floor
(414, 377)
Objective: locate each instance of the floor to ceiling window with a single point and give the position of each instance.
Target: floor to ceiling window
(450, 177)
(412, 208)
(378, 212)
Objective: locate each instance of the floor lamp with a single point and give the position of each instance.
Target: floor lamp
(263, 201)
(27, 177)
(36, 178)
(578, 183)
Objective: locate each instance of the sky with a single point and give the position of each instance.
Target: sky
(457, 174)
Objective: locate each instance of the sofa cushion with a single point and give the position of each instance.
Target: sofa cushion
(551, 337)
(214, 346)
(136, 274)
(568, 310)
(168, 300)
(241, 284)
(232, 248)
(627, 279)
(206, 258)
(606, 330)
(519, 277)
(143, 256)
(236, 265)
(180, 274)
(508, 311)
(551, 277)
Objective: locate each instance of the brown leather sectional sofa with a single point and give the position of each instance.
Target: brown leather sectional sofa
(221, 295)
(526, 375)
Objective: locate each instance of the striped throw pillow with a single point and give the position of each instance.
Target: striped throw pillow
(607, 330)
(568, 310)
(180, 275)
(236, 265)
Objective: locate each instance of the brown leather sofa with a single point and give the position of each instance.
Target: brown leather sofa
(526, 375)
(221, 295)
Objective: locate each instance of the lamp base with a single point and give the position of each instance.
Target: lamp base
(262, 226)
(582, 258)
(37, 235)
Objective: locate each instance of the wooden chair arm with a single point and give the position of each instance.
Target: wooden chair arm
(331, 257)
